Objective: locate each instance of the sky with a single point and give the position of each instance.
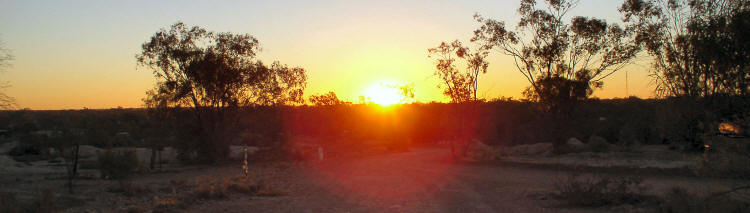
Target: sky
(76, 54)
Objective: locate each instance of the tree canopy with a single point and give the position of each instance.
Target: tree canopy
(328, 99)
(562, 58)
(460, 86)
(699, 47)
(214, 74)
(6, 102)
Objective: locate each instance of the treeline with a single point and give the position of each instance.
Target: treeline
(679, 122)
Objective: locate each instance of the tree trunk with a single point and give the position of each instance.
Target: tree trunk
(153, 157)
(72, 172)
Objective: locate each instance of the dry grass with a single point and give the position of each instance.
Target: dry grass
(183, 192)
(209, 189)
(130, 189)
(595, 190)
(43, 202)
(169, 204)
(725, 157)
(680, 200)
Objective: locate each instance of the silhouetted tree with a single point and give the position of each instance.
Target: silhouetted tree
(214, 74)
(6, 102)
(459, 86)
(562, 60)
(699, 47)
(160, 113)
(328, 99)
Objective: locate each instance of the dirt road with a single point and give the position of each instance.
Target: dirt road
(423, 180)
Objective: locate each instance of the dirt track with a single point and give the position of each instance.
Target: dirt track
(422, 180)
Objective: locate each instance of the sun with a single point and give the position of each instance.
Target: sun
(384, 94)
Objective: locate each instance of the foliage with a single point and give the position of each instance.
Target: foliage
(215, 74)
(699, 47)
(459, 86)
(326, 100)
(6, 102)
(117, 164)
(563, 61)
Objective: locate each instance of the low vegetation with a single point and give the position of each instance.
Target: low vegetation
(182, 193)
(596, 190)
(42, 202)
(680, 200)
(117, 164)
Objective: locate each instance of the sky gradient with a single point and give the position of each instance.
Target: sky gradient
(75, 54)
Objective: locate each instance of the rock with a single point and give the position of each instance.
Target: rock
(539, 149)
(6, 162)
(599, 144)
(169, 154)
(575, 145)
(482, 152)
(530, 149)
(142, 154)
(6, 147)
(52, 152)
(516, 150)
(87, 151)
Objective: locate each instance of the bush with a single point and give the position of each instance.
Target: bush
(117, 164)
(246, 187)
(578, 190)
(209, 189)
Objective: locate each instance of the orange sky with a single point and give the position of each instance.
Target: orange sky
(75, 54)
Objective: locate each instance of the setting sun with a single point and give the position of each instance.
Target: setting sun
(384, 94)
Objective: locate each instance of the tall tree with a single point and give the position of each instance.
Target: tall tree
(214, 74)
(6, 102)
(562, 60)
(699, 47)
(460, 86)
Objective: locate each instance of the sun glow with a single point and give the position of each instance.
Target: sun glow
(384, 94)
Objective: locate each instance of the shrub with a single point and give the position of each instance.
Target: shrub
(168, 204)
(117, 164)
(209, 189)
(594, 190)
(246, 187)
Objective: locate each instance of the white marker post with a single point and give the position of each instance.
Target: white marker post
(320, 153)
